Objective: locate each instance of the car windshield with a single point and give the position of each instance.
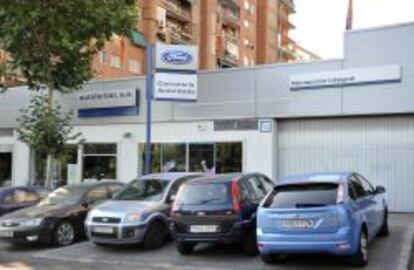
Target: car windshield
(63, 195)
(303, 196)
(143, 190)
(205, 193)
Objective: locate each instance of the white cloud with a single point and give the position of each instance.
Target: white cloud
(320, 24)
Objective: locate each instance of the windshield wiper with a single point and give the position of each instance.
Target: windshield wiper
(209, 201)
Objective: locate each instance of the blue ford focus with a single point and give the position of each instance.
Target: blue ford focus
(334, 213)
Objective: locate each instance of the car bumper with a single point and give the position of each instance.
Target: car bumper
(121, 233)
(338, 243)
(233, 236)
(25, 234)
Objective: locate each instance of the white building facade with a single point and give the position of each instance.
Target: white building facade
(350, 114)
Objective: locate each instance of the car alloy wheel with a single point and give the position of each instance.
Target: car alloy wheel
(364, 247)
(155, 235)
(64, 234)
(361, 257)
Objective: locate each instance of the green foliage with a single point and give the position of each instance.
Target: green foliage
(44, 129)
(53, 43)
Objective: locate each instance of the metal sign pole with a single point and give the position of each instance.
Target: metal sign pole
(149, 94)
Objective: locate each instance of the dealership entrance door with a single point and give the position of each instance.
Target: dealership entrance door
(380, 148)
(5, 169)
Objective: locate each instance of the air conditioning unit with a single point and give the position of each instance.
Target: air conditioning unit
(162, 17)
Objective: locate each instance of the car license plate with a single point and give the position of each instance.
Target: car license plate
(6, 234)
(203, 228)
(105, 230)
(297, 223)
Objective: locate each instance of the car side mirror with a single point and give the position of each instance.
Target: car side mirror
(172, 198)
(380, 190)
(88, 202)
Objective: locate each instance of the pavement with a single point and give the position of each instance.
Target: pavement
(391, 252)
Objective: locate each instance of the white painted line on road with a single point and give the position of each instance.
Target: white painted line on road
(407, 248)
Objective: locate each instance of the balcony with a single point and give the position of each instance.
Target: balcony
(285, 20)
(232, 38)
(180, 34)
(290, 6)
(177, 11)
(230, 18)
(288, 51)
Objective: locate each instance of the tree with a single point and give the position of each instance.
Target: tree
(52, 43)
(45, 130)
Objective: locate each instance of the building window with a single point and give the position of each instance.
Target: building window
(201, 157)
(99, 162)
(220, 157)
(135, 66)
(102, 57)
(115, 61)
(246, 61)
(62, 171)
(5, 169)
(252, 9)
(246, 4)
(246, 23)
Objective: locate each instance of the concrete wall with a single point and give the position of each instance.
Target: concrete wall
(264, 91)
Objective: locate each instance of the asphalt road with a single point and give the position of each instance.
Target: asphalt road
(385, 253)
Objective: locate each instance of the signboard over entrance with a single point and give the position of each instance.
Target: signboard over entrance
(346, 77)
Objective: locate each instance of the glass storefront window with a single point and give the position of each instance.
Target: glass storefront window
(99, 162)
(5, 169)
(60, 174)
(223, 157)
(202, 157)
(173, 157)
(229, 157)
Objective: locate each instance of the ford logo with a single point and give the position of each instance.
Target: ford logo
(176, 57)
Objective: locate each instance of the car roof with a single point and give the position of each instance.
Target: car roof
(93, 184)
(219, 178)
(326, 177)
(168, 176)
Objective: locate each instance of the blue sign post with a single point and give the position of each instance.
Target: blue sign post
(149, 94)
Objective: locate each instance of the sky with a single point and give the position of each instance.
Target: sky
(320, 24)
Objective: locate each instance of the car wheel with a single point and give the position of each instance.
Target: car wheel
(185, 248)
(155, 235)
(270, 258)
(360, 259)
(385, 231)
(64, 234)
(250, 244)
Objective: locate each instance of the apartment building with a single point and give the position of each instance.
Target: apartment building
(229, 33)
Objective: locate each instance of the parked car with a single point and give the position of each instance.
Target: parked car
(336, 213)
(219, 209)
(139, 213)
(15, 198)
(59, 217)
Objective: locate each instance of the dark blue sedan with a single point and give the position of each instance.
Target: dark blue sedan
(15, 198)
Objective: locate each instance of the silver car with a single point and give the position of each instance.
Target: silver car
(138, 213)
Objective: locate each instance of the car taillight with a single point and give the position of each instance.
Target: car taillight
(341, 193)
(235, 195)
(175, 205)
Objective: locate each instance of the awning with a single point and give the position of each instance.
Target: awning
(138, 38)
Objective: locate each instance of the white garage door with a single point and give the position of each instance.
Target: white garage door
(380, 148)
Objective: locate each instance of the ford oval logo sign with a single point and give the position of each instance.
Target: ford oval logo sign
(176, 57)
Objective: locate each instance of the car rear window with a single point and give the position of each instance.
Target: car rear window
(303, 196)
(205, 193)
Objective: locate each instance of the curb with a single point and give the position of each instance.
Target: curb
(407, 249)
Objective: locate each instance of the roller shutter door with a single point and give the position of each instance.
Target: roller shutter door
(380, 148)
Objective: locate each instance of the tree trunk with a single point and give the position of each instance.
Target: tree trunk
(50, 157)
(49, 171)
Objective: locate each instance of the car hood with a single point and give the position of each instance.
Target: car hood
(38, 212)
(122, 208)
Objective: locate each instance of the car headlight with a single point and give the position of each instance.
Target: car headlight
(31, 222)
(132, 217)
